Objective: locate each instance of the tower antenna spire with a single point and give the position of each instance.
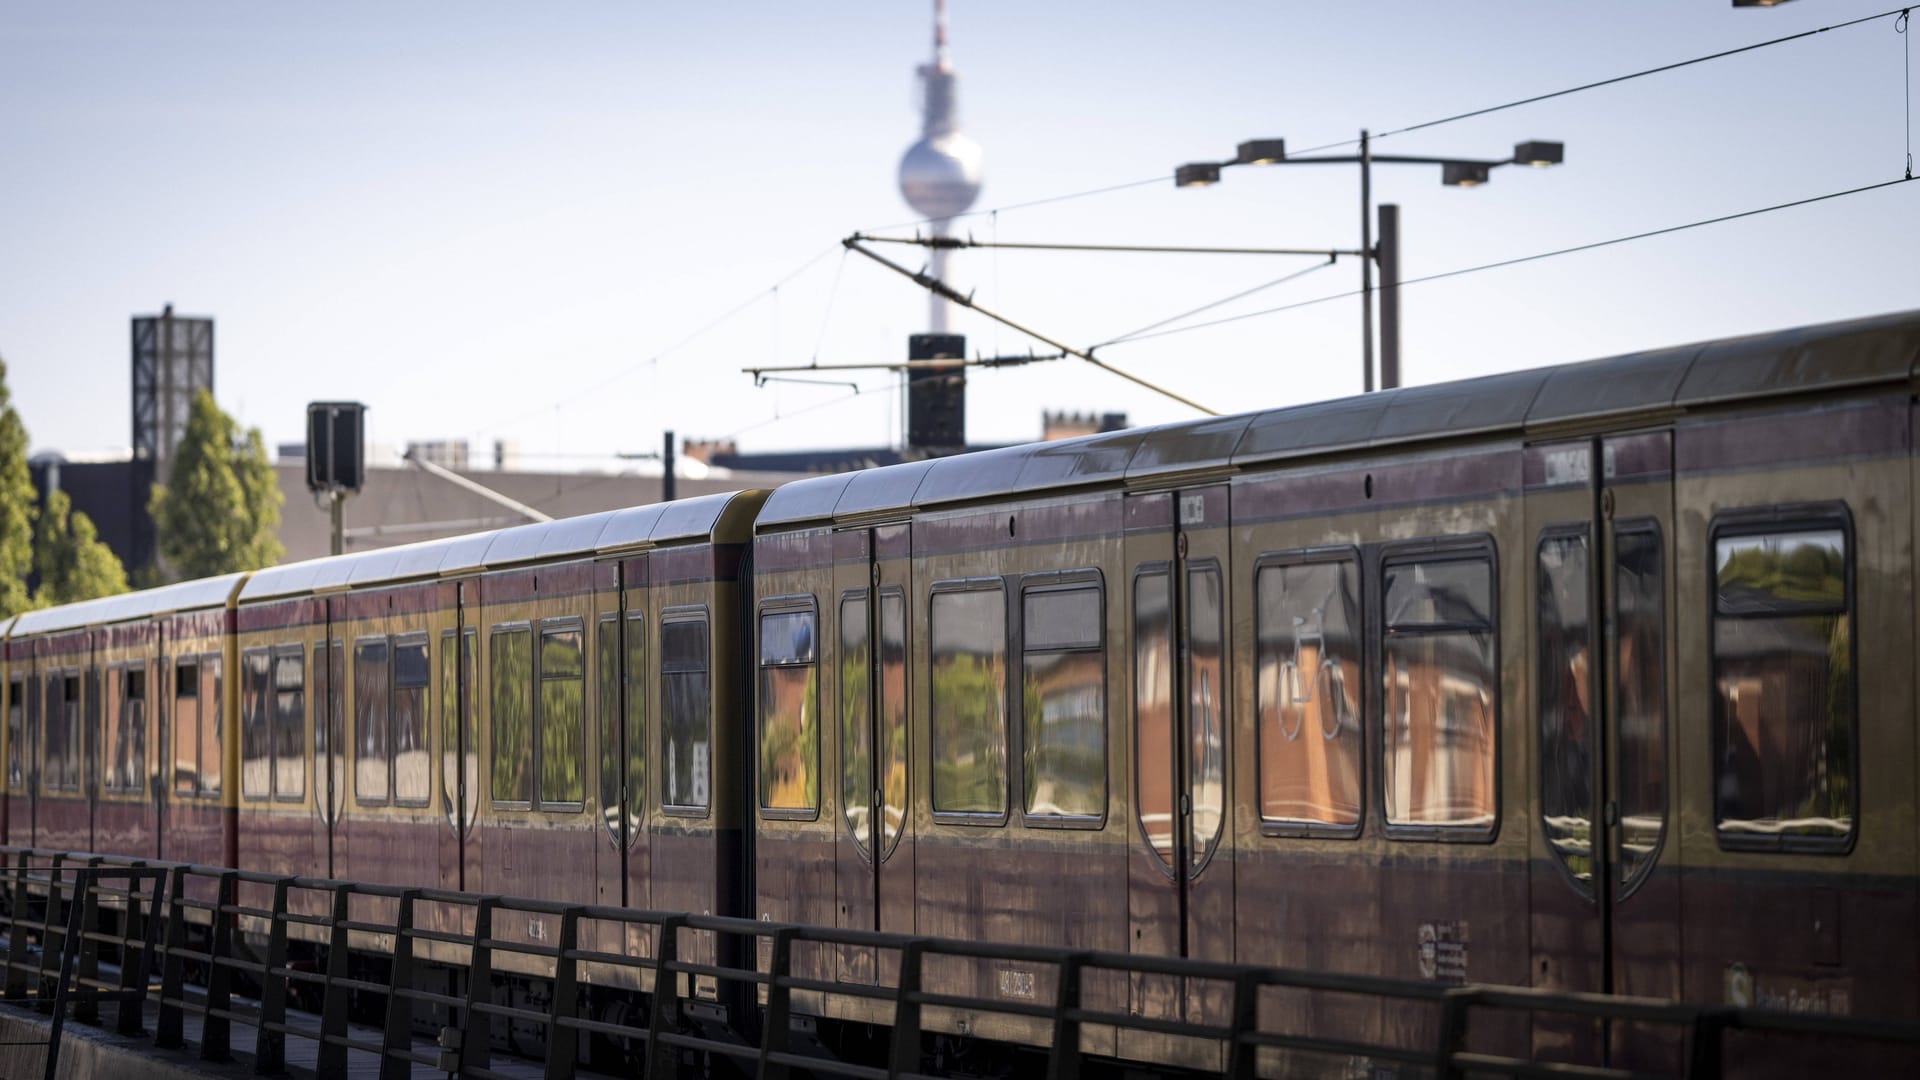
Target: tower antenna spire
(940, 174)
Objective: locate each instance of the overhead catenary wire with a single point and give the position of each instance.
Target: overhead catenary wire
(841, 400)
(941, 288)
(1241, 295)
(1535, 257)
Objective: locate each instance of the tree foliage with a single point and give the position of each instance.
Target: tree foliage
(221, 504)
(16, 507)
(73, 563)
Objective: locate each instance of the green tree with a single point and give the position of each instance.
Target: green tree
(221, 505)
(73, 563)
(16, 507)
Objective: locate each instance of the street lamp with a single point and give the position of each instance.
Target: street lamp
(1454, 172)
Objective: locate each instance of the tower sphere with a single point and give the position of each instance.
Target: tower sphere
(940, 175)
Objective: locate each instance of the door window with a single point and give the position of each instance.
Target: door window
(1566, 711)
(1153, 712)
(1640, 694)
(1206, 711)
(856, 756)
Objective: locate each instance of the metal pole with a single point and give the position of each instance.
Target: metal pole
(338, 501)
(1366, 263)
(1389, 255)
(666, 470)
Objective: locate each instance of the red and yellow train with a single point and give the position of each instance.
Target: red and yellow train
(1595, 677)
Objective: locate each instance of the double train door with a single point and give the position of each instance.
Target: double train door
(873, 845)
(1180, 871)
(1599, 516)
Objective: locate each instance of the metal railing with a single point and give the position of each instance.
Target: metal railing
(225, 926)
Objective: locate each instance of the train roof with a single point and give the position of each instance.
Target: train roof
(1832, 356)
(213, 592)
(607, 532)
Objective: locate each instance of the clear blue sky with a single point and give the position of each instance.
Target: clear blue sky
(489, 220)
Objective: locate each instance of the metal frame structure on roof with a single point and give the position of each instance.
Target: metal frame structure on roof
(1882, 349)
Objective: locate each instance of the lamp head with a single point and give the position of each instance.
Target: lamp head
(1463, 173)
(1197, 174)
(1539, 154)
(1262, 151)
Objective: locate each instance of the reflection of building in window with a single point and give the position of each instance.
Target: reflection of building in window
(1064, 707)
(789, 721)
(1438, 708)
(1308, 693)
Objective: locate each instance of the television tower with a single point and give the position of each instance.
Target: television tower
(940, 174)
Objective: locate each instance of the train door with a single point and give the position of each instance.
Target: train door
(621, 645)
(1180, 882)
(873, 846)
(459, 760)
(1605, 905)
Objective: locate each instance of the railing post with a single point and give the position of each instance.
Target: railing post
(87, 951)
(779, 1025)
(1706, 1061)
(399, 1033)
(563, 1043)
(16, 934)
(216, 1031)
(331, 1059)
(53, 939)
(169, 1028)
(130, 1018)
(83, 879)
(1064, 1062)
(476, 1026)
(663, 1060)
(270, 1043)
(1242, 1055)
(1453, 1032)
(903, 1056)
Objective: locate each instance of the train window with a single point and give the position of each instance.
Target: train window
(1440, 688)
(456, 713)
(289, 724)
(967, 636)
(1565, 709)
(1783, 703)
(562, 714)
(372, 700)
(685, 713)
(186, 729)
(789, 714)
(16, 733)
(412, 761)
(256, 730)
(330, 725)
(510, 680)
(856, 719)
(60, 758)
(125, 741)
(1640, 694)
(892, 749)
(1207, 691)
(212, 725)
(611, 731)
(1063, 716)
(1307, 689)
(1153, 711)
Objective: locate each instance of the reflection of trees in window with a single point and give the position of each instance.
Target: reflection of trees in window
(1439, 674)
(856, 758)
(968, 644)
(1565, 709)
(562, 705)
(289, 720)
(256, 729)
(893, 715)
(16, 733)
(371, 699)
(1063, 699)
(1784, 690)
(510, 676)
(789, 724)
(685, 708)
(1308, 691)
(407, 733)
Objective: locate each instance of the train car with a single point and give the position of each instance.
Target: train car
(595, 653)
(1596, 677)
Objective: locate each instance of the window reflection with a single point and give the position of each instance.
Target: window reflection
(371, 782)
(893, 715)
(562, 708)
(510, 674)
(1641, 696)
(1206, 713)
(289, 724)
(1784, 689)
(684, 713)
(856, 760)
(789, 712)
(1565, 712)
(1153, 711)
(1063, 703)
(1308, 690)
(256, 762)
(968, 643)
(407, 733)
(1437, 722)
